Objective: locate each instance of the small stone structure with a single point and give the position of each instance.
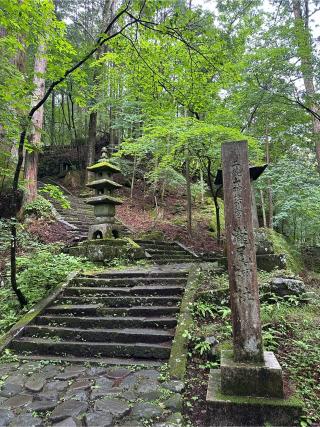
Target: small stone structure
(248, 389)
(104, 202)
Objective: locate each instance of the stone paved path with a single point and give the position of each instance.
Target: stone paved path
(73, 395)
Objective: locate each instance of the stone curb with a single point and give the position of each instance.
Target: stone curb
(179, 350)
(18, 327)
(186, 249)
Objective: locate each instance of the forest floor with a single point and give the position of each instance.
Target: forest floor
(142, 214)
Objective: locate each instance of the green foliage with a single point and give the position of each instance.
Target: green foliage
(55, 193)
(38, 274)
(40, 208)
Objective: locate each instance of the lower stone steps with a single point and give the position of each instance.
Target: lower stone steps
(42, 346)
(125, 335)
(108, 321)
(127, 315)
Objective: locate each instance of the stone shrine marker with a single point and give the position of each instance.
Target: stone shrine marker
(248, 388)
(244, 296)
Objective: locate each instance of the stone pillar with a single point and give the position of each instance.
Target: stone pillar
(247, 390)
(247, 340)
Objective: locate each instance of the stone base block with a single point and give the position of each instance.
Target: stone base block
(251, 379)
(104, 250)
(227, 410)
(105, 231)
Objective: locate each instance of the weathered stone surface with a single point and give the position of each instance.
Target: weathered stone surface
(174, 385)
(48, 395)
(104, 382)
(174, 402)
(17, 379)
(17, 401)
(146, 410)
(96, 371)
(79, 395)
(226, 410)
(250, 379)
(129, 395)
(262, 242)
(149, 389)
(5, 417)
(35, 383)
(283, 286)
(71, 372)
(115, 407)
(42, 405)
(98, 419)
(148, 373)
(118, 372)
(56, 386)
(101, 392)
(128, 383)
(26, 420)
(50, 371)
(70, 408)
(244, 296)
(9, 390)
(68, 422)
(81, 385)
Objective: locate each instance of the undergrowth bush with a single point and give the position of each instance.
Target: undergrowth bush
(38, 274)
(40, 208)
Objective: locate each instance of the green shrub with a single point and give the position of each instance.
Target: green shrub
(55, 193)
(40, 208)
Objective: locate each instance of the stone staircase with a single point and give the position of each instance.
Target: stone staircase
(161, 252)
(119, 317)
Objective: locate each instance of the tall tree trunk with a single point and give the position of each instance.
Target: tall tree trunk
(263, 208)
(31, 158)
(189, 198)
(270, 198)
(304, 44)
(108, 13)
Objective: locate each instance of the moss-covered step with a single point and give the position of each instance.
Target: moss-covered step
(108, 321)
(121, 301)
(55, 347)
(125, 335)
(146, 273)
(127, 282)
(123, 291)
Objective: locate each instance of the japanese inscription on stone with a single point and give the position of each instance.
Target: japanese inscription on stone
(242, 268)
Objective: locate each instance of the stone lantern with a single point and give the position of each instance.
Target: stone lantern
(104, 202)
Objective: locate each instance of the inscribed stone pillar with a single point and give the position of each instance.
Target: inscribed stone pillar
(247, 339)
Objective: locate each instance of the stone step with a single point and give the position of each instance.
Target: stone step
(127, 283)
(167, 273)
(86, 309)
(156, 242)
(42, 346)
(119, 301)
(113, 311)
(167, 260)
(136, 290)
(126, 335)
(163, 250)
(93, 360)
(107, 321)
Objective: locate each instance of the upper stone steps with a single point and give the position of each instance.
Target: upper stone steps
(127, 282)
